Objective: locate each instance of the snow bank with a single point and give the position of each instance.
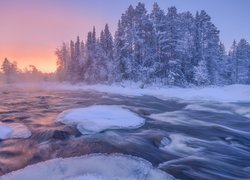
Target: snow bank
(91, 167)
(232, 93)
(13, 130)
(95, 119)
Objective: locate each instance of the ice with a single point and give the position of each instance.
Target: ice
(5, 132)
(96, 177)
(180, 145)
(13, 130)
(98, 118)
(91, 167)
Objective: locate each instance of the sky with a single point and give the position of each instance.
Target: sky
(31, 30)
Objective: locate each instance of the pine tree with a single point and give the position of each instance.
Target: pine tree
(243, 62)
(207, 44)
(124, 46)
(119, 54)
(63, 63)
(106, 43)
(233, 61)
(187, 47)
(175, 73)
(158, 19)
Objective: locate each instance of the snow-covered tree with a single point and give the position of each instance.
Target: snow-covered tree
(158, 19)
(170, 48)
(224, 67)
(243, 62)
(174, 49)
(201, 74)
(207, 44)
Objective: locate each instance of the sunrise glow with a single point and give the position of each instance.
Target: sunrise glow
(32, 30)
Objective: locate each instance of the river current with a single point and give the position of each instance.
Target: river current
(187, 139)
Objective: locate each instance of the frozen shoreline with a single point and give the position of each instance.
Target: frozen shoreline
(231, 93)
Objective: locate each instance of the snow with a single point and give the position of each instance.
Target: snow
(91, 167)
(98, 118)
(13, 130)
(232, 93)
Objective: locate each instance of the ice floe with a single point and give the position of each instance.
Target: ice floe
(98, 118)
(13, 130)
(91, 167)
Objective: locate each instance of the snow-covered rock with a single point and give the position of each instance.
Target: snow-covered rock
(13, 130)
(91, 167)
(97, 118)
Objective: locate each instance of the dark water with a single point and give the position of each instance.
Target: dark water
(192, 140)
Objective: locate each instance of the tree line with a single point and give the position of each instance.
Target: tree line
(12, 74)
(168, 48)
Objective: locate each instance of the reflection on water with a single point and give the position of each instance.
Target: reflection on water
(189, 140)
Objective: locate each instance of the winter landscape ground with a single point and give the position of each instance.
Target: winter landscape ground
(156, 97)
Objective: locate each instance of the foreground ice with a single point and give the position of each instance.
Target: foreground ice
(13, 130)
(97, 118)
(91, 167)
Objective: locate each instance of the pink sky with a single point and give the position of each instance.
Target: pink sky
(31, 30)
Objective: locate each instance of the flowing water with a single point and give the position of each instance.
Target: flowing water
(189, 140)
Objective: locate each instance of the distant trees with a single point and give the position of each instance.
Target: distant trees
(176, 49)
(9, 70)
(11, 73)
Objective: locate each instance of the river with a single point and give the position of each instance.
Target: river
(187, 139)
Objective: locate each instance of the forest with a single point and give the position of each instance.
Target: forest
(168, 48)
(164, 48)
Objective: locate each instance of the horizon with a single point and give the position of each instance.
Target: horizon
(29, 38)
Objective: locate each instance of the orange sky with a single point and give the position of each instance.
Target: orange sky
(30, 31)
(44, 60)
